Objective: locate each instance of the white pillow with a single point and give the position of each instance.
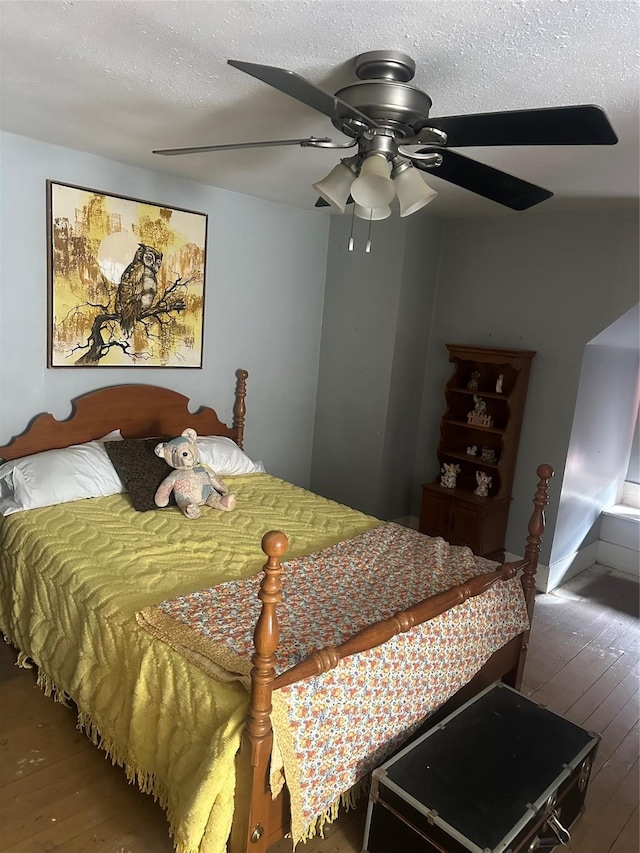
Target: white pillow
(225, 457)
(59, 476)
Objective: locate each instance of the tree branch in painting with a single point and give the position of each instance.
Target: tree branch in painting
(104, 329)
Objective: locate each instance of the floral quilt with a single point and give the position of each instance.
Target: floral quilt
(331, 730)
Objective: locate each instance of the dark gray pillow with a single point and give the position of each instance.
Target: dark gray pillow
(139, 468)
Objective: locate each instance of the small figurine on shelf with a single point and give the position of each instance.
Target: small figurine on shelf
(499, 384)
(488, 455)
(484, 481)
(473, 383)
(479, 416)
(473, 450)
(480, 407)
(449, 472)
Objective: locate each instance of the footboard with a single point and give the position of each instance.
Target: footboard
(259, 820)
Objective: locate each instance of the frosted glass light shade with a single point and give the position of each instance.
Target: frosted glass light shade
(335, 188)
(374, 188)
(412, 191)
(372, 214)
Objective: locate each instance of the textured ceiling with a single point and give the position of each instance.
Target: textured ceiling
(120, 78)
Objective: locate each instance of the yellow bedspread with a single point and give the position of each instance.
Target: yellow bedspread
(72, 578)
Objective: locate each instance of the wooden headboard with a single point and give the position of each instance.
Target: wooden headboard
(138, 411)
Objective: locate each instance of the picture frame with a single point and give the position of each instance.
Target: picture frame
(126, 281)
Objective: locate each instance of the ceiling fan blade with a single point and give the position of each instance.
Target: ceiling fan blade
(297, 87)
(486, 181)
(575, 125)
(272, 143)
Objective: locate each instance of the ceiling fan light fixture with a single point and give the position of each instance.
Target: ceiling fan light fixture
(372, 214)
(373, 188)
(336, 186)
(413, 192)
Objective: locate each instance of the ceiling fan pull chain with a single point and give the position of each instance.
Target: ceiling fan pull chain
(368, 246)
(353, 216)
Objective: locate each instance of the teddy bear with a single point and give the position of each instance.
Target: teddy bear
(192, 483)
(484, 481)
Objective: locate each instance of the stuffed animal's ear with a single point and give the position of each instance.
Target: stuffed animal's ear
(159, 448)
(191, 434)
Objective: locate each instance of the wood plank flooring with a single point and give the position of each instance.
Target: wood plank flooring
(58, 793)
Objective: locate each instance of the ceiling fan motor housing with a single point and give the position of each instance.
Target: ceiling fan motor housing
(383, 94)
(386, 64)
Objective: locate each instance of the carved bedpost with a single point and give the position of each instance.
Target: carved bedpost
(265, 638)
(536, 529)
(531, 553)
(253, 796)
(239, 408)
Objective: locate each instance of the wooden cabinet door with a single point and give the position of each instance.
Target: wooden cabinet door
(465, 527)
(435, 513)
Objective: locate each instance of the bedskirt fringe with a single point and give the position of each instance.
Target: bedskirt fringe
(347, 800)
(44, 682)
(50, 688)
(145, 781)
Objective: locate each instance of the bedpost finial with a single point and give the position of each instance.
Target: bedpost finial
(274, 543)
(545, 471)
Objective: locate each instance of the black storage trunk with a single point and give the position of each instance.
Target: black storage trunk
(501, 774)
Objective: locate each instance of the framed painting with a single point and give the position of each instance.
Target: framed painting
(126, 281)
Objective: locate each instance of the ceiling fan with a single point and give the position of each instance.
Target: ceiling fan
(386, 118)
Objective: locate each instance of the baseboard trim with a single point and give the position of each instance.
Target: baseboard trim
(563, 570)
(618, 557)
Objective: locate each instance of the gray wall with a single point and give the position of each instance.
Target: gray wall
(263, 307)
(377, 314)
(415, 315)
(549, 282)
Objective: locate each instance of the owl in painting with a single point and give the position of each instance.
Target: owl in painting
(138, 286)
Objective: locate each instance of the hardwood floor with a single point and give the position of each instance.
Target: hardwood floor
(58, 793)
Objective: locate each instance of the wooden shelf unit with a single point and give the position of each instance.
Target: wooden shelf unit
(458, 515)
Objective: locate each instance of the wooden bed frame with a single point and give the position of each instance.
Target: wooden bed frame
(140, 411)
